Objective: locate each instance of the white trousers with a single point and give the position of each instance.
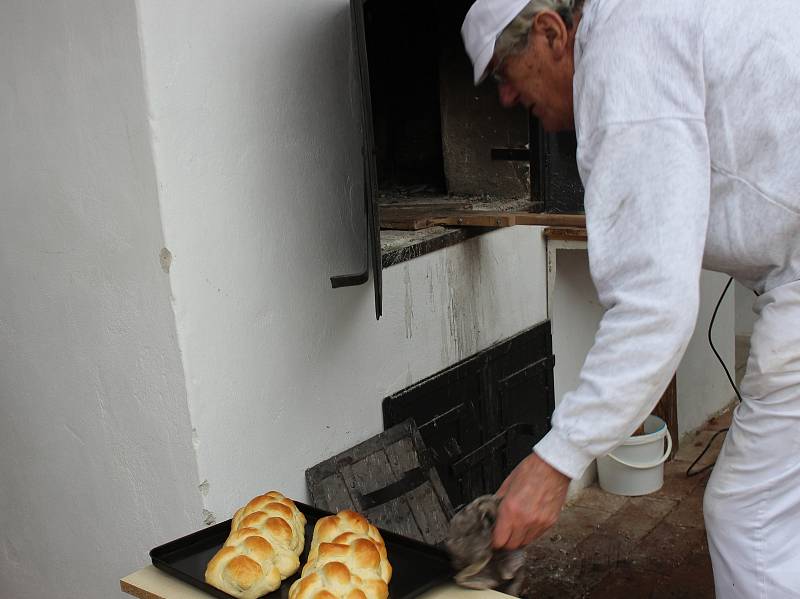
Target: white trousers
(752, 501)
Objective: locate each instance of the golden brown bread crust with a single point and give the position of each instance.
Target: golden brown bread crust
(335, 581)
(361, 555)
(347, 560)
(262, 549)
(246, 571)
(259, 513)
(347, 522)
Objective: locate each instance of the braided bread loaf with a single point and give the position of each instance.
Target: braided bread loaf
(267, 536)
(334, 581)
(347, 560)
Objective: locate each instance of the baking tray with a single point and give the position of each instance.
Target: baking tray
(416, 567)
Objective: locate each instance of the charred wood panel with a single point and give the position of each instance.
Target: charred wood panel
(482, 416)
(391, 479)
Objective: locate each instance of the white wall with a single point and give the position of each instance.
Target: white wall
(576, 314)
(745, 317)
(703, 388)
(240, 141)
(257, 144)
(96, 462)
(744, 320)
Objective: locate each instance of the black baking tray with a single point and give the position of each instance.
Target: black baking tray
(416, 567)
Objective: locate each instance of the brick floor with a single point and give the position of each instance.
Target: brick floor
(654, 547)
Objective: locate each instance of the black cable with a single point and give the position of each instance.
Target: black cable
(730, 380)
(700, 457)
(711, 341)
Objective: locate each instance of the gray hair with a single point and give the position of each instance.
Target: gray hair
(514, 38)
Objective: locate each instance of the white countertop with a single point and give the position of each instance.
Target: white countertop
(151, 583)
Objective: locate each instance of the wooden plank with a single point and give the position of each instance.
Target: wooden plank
(444, 201)
(415, 219)
(334, 494)
(431, 519)
(130, 589)
(550, 220)
(395, 516)
(151, 583)
(402, 220)
(360, 451)
(410, 219)
(474, 219)
(391, 480)
(447, 203)
(565, 234)
(371, 474)
(667, 410)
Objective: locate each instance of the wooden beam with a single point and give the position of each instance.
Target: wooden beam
(392, 218)
(550, 220)
(667, 410)
(565, 234)
(413, 219)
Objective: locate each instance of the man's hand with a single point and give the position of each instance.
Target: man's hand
(532, 498)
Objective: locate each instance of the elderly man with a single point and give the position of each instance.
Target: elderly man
(688, 125)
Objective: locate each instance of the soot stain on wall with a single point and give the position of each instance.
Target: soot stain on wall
(463, 277)
(409, 302)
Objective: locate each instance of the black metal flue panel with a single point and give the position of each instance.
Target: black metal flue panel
(482, 416)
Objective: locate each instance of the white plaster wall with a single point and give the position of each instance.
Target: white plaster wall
(745, 317)
(256, 122)
(703, 388)
(96, 464)
(242, 130)
(576, 314)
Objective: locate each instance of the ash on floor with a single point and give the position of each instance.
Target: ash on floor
(606, 546)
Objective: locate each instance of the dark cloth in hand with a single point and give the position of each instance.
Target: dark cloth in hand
(469, 543)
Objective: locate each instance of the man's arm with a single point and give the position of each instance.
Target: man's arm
(640, 96)
(647, 202)
(647, 213)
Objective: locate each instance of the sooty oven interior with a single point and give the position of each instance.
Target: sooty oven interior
(432, 139)
(435, 135)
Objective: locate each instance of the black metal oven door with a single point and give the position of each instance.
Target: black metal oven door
(373, 245)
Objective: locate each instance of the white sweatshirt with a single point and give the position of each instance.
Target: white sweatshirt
(688, 121)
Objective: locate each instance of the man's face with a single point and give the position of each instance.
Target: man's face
(540, 78)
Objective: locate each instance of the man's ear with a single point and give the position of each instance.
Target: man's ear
(549, 24)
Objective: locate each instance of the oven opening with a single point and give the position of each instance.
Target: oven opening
(444, 161)
(434, 132)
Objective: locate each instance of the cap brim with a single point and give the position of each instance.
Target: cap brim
(482, 63)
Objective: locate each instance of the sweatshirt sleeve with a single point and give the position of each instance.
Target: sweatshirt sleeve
(640, 101)
(647, 202)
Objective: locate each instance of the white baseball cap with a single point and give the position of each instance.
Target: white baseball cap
(483, 24)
